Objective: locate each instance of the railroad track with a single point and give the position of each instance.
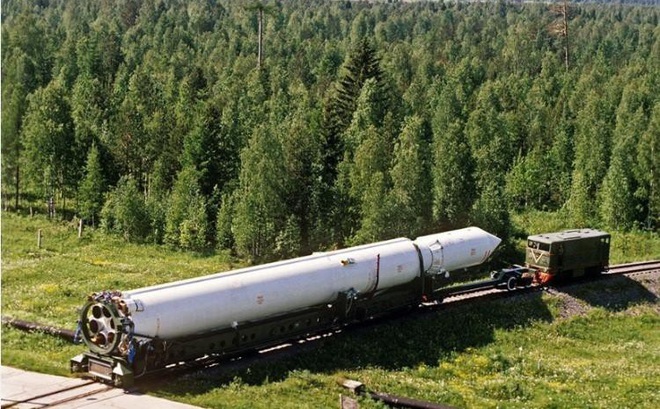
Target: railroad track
(629, 269)
(643, 267)
(294, 347)
(224, 364)
(62, 397)
(634, 268)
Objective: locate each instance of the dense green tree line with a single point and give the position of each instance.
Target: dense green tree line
(157, 120)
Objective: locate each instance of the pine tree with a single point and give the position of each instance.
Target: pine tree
(287, 242)
(157, 200)
(616, 201)
(368, 189)
(13, 107)
(361, 65)
(186, 223)
(87, 106)
(592, 151)
(375, 215)
(559, 27)
(491, 142)
(411, 196)
(92, 188)
(454, 188)
(224, 237)
(260, 8)
(259, 206)
(194, 228)
(212, 150)
(491, 136)
(50, 163)
(25, 68)
(525, 187)
(301, 153)
(648, 171)
(490, 211)
(141, 125)
(619, 206)
(367, 152)
(560, 160)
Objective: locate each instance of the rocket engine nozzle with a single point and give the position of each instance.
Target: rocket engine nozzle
(101, 326)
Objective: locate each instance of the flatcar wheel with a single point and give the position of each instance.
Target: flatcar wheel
(511, 283)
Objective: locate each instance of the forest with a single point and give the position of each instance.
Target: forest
(279, 128)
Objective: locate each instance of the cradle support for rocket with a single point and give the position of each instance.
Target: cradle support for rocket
(226, 313)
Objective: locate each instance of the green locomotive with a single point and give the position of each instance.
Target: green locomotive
(568, 254)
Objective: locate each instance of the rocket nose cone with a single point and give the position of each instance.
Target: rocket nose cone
(493, 240)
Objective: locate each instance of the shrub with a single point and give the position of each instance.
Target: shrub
(125, 211)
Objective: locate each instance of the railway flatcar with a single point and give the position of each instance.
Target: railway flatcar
(130, 333)
(567, 254)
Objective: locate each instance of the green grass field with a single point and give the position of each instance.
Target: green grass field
(518, 354)
(596, 345)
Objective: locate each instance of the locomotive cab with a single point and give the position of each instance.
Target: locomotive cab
(567, 254)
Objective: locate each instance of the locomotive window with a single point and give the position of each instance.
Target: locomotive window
(537, 245)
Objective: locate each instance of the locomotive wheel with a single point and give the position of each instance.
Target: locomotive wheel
(511, 283)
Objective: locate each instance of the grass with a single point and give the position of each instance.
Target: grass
(49, 284)
(493, 355)
(18, 350)
(535, 351)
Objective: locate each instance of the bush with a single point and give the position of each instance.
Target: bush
(186, 223)
(194, 228)
(125, 211)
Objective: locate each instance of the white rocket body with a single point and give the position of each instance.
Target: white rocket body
(251, 294)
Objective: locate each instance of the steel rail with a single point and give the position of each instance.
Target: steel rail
(31, 400)
(637, 267)
(294, 346)
(69, 335)
(289, 348)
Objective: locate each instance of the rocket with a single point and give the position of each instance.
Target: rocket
(225, 300)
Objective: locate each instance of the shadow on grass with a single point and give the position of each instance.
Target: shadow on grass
(613, 294)
(421, 338)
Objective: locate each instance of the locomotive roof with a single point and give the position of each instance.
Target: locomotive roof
(568, 235)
